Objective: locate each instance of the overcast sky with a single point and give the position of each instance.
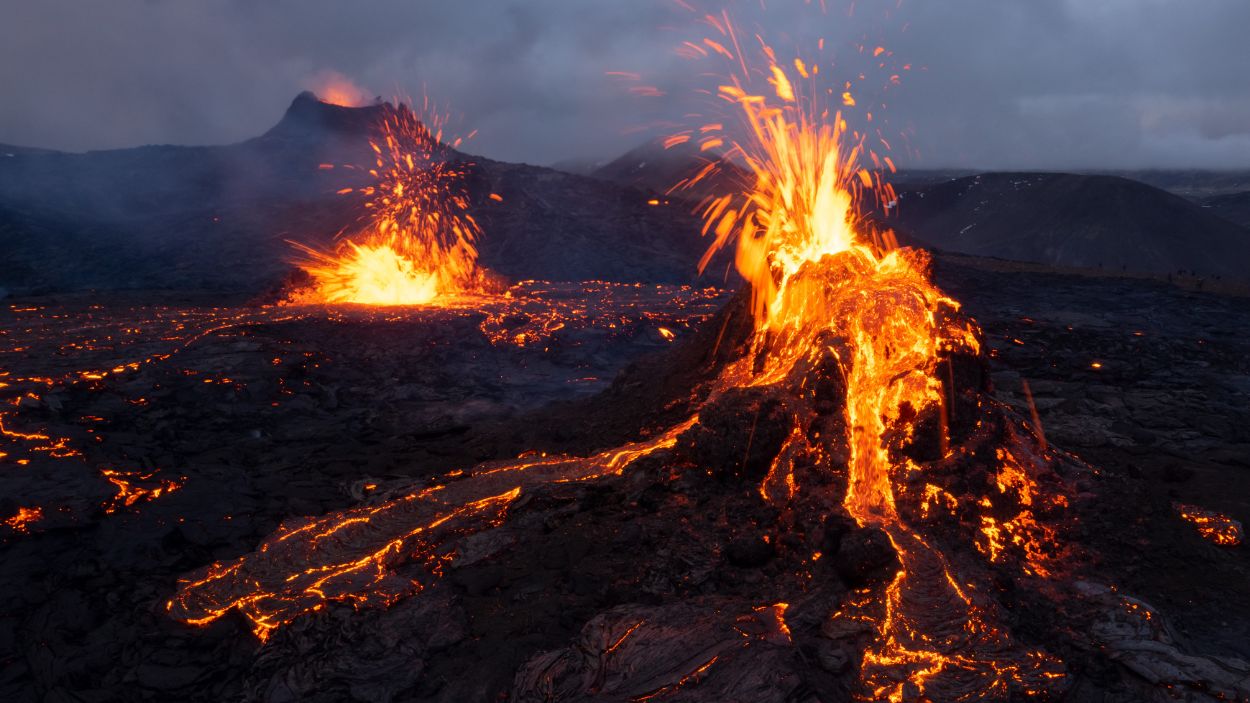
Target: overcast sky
(995, 83)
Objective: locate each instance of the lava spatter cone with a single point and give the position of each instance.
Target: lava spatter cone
(418, 242)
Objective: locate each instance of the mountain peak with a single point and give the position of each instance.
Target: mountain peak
(311, 117)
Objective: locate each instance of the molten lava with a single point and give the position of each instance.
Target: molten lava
(373, 274)
(1214, 527)
(822, 282)
(418, 242)
(23, 518)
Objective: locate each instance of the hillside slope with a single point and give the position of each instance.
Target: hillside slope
(1074, 221)
(1234, 207)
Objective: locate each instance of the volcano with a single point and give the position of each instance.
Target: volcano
(219, 217)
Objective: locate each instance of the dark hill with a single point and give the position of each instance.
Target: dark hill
(11, 150)
(1234, 207)
(1074, 221)
(1190, 183)
(652, 167)
(218, 217)
(310, 119)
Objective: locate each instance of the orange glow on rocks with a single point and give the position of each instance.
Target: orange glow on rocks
(857, 346)
(351, 556)
(21, 521)
(1214, 527)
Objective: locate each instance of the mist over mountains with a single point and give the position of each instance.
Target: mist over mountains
(222, 217)
(1116, 221)
(219, 217)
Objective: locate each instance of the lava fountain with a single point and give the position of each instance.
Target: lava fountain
(418, 242)
(825, 282)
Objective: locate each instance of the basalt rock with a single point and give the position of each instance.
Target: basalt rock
(738, 434)
(865, 557)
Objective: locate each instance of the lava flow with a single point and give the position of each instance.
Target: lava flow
(89, 351)
(353, 556)
(419, 240)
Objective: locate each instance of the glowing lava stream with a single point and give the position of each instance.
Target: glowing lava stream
(418, 243)
(352, 555)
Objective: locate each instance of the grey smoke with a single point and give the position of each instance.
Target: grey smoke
(1005, 83)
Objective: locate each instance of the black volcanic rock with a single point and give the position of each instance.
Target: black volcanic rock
(1074, 221)
(592, 584)
(865, 556)
(310, 118)
(750, 552)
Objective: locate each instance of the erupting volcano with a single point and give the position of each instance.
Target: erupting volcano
(600, 484)
(860, 398)
(418, 240)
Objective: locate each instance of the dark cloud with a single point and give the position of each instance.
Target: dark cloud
(995, 83)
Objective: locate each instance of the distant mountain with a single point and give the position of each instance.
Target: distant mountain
(912, 179)
(1073, 221)
(11, 150)
(1234, 207)
(652, 167)
(578, 167)
(1191, 183)
(217, 217)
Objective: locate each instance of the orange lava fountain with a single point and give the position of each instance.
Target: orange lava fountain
(419, 242)
(822, 281)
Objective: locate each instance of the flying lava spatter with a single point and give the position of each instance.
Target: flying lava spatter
(822, 280)
(418, 242)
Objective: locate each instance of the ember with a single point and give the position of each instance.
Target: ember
(1214, 527)
(21, 521)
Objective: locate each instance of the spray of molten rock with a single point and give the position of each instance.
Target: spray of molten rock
(418, 242)
(856, 354)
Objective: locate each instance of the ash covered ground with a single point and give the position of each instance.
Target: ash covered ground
(243, 417)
